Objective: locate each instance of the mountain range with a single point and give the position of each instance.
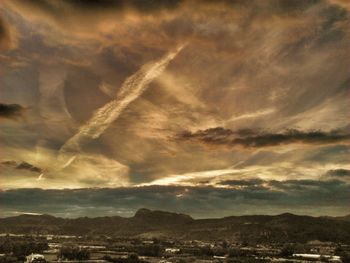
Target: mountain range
(150, 224)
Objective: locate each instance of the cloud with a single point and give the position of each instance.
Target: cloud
(130, 90)
(250, 182)
(11, 111)
(90, 170)
(89, 19)
(71, 7)
(306, 184)
(39, 170)
(220, 136)
(303, 197)
(22, 166)
(290, 186)
(189, 178)
(7, 36)
(339, 173)
(286, 65)
(174, 21)
(29, 167)
(252, 115)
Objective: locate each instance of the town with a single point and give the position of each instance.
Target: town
(15, 248)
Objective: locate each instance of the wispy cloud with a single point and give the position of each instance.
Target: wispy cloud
(190, 178)
(131, 89)
(251, 115)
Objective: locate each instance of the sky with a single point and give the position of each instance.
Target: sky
(209, 108)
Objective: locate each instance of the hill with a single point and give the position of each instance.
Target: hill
(147, 223)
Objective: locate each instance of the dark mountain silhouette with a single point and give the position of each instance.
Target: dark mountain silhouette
(146, 223)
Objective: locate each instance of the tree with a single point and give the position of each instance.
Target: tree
(224, 244)
(9, 259)
(206, 251)
(74, 253)
(236, 252)
(287, 251)
(133, 257)
(6, 247)
(22, 248)
(345, 257)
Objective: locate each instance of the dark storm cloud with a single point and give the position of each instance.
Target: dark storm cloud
(11, 111)
(196, 201)
(29, 167)
(307, 184)
(339, 173)
(22, 166)
(226, 137)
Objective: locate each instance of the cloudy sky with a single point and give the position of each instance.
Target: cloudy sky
(210, 108)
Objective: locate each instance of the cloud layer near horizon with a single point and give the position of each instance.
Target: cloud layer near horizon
(243, 197)
(265, 92)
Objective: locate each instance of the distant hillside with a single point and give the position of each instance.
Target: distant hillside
(343, 218)
(147, 223)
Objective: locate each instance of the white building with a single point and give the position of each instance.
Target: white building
(317, 256)
(35, 258)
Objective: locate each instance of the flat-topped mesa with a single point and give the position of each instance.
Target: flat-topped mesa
(147, 214)
(142, 212)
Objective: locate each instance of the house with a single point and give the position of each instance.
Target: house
(316, 256)
(35, 258)
(172, 250)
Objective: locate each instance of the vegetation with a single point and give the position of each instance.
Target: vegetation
(344, 255)
(10, 259)
(236, 252)
(285, 228)
(133, 258)
(73, 253)
(153, 250)
(287, 251)
(20, 249)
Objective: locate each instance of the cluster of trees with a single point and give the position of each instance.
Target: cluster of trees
(10, 259)
(153, 250)
(344, 255)
(73, 253)
(237, 253)
(247, 260)
(20, 249)
(208, 251)
(133, 258)
(293, 248)
(288, 250)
